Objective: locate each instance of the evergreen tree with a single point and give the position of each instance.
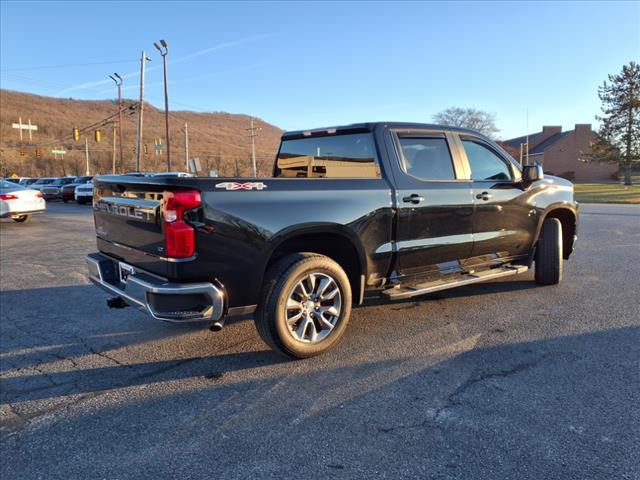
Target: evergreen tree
(619, 135)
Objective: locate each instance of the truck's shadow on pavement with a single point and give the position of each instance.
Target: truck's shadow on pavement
(36, 334)
(64, 340)
(543, 399)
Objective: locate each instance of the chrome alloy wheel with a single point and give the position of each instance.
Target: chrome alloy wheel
(313, 307)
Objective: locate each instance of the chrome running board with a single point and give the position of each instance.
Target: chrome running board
(408, 291)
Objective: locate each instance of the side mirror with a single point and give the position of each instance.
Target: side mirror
(531, 173)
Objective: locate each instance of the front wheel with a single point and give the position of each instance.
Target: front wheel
(549, 253)
(21, 218)
(305, 305)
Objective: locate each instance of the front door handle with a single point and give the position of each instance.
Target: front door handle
(484, 196)
(413, 198)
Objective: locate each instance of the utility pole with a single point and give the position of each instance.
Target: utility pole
(143, 59)
(118, 79)
(163, 53)
(186, 146)
(86, 154)
(253, 134)
(113, 152)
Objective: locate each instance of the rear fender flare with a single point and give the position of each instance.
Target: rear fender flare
(299, 230)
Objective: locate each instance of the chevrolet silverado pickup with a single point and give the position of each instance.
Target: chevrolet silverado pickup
(384, 209)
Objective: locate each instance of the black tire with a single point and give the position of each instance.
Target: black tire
(549, 253)
(65, 200)
(21, 218)
(80, 201)
(280, 281)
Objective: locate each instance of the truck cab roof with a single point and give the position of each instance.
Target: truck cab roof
(370, 126)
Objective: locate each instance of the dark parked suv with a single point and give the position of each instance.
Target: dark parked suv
(67, 192)
(395, 209)
(54, 189)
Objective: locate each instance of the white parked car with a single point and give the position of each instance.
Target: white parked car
(18, 202)
(84, 193)
(26, 181)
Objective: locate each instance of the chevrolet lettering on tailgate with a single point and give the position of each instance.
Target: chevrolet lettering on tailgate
(140, 213)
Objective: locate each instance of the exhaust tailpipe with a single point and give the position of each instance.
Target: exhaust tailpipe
(217, 325)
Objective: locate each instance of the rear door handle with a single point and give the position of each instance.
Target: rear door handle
(413, 198)
(484, 196)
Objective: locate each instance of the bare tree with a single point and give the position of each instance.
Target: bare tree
(471, 118)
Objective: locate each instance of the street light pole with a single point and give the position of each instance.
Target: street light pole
(163, 53)
(186, 146)
(143, 60)
(118, 80)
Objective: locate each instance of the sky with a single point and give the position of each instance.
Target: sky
(313, 64)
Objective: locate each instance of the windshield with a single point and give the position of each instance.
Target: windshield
(44, 181)
(332, 156)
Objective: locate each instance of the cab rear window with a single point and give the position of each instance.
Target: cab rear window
(335, 156)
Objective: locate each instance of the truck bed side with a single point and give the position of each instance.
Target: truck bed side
(239, 230)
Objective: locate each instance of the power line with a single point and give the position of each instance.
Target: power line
(71, 65)
(190, 119)
(177, 116)
(33, 81)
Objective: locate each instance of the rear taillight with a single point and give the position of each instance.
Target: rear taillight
(8, 196)
(179, 236)
(39, 195)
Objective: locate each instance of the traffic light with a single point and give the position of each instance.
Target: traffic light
(76, 134)
(146, 150)
(38, 152)
(97, 135)
(23, 152)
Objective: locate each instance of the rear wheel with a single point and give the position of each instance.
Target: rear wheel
(21, 218)
(549, 253)
(305, 305)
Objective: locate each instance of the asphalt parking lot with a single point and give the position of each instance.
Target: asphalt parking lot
(497, 380)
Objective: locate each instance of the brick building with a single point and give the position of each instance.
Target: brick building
(561, 153)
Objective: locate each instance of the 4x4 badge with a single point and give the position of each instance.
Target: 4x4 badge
(241, 186)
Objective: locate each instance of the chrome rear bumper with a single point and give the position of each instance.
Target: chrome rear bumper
(163, 300)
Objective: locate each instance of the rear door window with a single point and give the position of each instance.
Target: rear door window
(427, 158)
(335, 156)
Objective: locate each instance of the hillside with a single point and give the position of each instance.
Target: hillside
(220, 140)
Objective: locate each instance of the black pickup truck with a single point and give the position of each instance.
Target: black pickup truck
(391, 209)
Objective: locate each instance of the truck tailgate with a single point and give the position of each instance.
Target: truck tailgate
(129, 215)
